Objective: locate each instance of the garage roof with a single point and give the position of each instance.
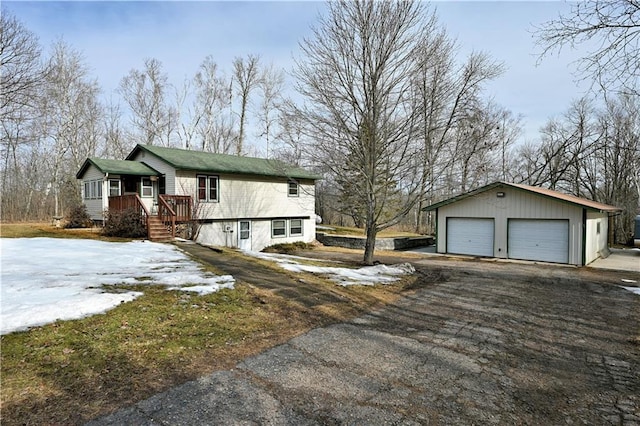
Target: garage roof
(583, 202)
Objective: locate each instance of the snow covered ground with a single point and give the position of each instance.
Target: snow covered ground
(45, 279)
(368, 275)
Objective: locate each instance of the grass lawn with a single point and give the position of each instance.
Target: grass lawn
(72, 371)
(40, 229)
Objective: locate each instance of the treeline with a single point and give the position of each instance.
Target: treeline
(437, 132)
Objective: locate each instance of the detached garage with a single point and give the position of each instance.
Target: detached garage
(515, 221)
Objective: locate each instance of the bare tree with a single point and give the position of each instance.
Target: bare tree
(445, 95)
(290, 140)
(214, 123)
(117, 142)
(271, 85)
(246, 75)
(145, 92)
(360, 116)
(617, 162)
(611, 30)
(591, 153)
(21, 84)
(70, 130)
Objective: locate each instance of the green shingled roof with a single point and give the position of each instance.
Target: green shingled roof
(182, 159)
(117, 167)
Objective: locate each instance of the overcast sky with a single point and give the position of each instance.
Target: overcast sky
(115, 37)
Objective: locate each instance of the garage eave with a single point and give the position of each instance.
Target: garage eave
(559, 196)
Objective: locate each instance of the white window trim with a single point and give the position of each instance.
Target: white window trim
(297, 234)
(208, 188)
(143, 187)
(284, 228)
(289, 187)
(119, 187)
(92, 189)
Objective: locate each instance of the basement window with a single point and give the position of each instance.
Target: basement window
(278, 228)
(295, 227)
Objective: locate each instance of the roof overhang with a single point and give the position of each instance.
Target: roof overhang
(117, 167)
(555, 195)
(208, 162)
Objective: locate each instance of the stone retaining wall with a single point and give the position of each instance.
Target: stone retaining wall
(399, 243)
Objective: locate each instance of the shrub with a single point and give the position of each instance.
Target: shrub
(78, 217)
(124, 223)
(288, 247)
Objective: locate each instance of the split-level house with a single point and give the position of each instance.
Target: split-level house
(243, 202)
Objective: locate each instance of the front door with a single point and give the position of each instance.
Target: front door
(244, 235)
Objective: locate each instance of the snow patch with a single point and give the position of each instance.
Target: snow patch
(49, 279)
(635, 290)
(368, 275)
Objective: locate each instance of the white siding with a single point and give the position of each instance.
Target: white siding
(242, 197)
(162, 167)
(516, 204)
(95, 207)
(225, 233)
(596, 242)
(259, 199)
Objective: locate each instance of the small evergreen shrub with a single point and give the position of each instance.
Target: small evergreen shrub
(78, 217)
(124, 223)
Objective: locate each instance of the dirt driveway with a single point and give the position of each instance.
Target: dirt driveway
(473, 343)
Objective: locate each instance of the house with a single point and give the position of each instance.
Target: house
(243, 202)
(515, 221)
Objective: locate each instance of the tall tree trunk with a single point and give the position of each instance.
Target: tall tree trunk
(370, 243)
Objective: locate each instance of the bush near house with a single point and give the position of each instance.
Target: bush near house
(78, 217)
(124, 223)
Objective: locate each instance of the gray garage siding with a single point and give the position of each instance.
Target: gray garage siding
(515, 204)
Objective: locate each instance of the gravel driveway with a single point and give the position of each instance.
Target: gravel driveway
(473, 343)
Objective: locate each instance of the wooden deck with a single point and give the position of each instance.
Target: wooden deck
(172, 210)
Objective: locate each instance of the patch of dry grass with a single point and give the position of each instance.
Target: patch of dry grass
(41, 229)
(72, 371)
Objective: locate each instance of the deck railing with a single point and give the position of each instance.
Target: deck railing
(131, 201)
(180, 204)
(172, 209)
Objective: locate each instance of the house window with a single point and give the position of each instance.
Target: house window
(114, 188)
(208, 188)
(295, 227)
(147, 187)
(294, 189)
(278, 228)
(92, 189)
(598, 228)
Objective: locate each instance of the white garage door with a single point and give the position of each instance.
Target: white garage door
(471, 236)
(543, 240)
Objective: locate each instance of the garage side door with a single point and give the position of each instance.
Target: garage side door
(542, 240)
(472, 236)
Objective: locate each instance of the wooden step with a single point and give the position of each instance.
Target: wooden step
(158, 232)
